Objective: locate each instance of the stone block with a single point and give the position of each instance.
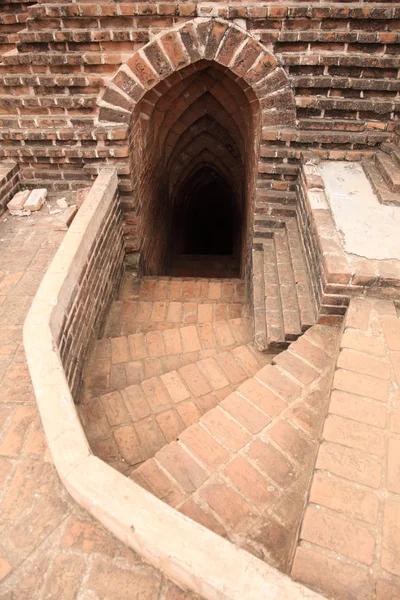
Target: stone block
(35, 200)
(18, 201)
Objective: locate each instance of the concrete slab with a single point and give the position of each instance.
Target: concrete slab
(366, 227)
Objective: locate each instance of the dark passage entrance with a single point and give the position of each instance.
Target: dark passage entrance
(196, 174)
(209, 227)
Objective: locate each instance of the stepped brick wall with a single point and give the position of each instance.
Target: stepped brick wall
(9, 182)
(339, 60)
(84, 301)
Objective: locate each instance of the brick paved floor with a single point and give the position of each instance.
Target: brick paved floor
(49, 548)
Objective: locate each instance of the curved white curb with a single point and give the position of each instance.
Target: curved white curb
(185, 551)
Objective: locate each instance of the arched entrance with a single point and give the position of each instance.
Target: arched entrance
(195, 99)
(197, 164)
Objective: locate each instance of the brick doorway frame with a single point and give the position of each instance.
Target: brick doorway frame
(262, 79)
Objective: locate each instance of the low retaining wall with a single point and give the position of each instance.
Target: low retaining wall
(335, 275)
(185, 551)
(9, 183)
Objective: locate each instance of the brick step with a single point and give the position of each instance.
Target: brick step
(243, 469)
(140, 316)
(389, 170)
(393, 151)
(286, 295)
(126, 358)
(379, 185)
(129, 425)
(276, 196)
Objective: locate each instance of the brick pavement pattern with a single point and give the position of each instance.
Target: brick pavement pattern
(50, 548)
(349, 543)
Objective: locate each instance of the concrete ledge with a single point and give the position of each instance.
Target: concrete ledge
(185, 551)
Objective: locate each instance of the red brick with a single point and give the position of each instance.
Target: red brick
(358, 313)
(251, 483)
(344, 497)
(188, 412)
(128, 444)
(361, 384)
(363, 342)
(170, 424)
(391, 537)
(206, 518)
(231, 367)
(14, 436)
(279, 383)
(224, 334)
(386, 590)
(225, 429)
(196, 383)
(213, 374)
(190, 339)
(342, 536)
(204, 446)
(391, 330)
(228, 504)
(246, 413)
(119, 350)
(150, 476)
(136, 402)
(155, 343)
(150, 435)
(115, 408)
(263, 397)
(354, 435)
(291, 440)
(272, 462)
(362, 363)
(172, 341)
(310, 353)
(156, 394)
(296, 367)
(246, 359)
(85, 536)
(358, 408)
(175, 386)
(137, 346)
(350, 463)
(393, 466)
(182, 467)
(331, 575)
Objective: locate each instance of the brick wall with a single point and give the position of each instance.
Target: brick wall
(9, 182)
(340, 60)
(90, 288)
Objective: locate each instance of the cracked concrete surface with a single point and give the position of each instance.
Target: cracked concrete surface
(367, 228)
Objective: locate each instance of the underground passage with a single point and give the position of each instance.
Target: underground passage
(195, 162)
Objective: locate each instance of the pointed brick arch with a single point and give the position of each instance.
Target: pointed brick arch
(216, 40)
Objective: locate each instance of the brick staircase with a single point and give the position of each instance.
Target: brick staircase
(187, 407)
(283, 304)
(172, 349)
(384, 174)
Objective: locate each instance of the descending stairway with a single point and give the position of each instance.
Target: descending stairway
(195, 414)
(384, 174)
(283, 305)
(169, 353)
(207, 265)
